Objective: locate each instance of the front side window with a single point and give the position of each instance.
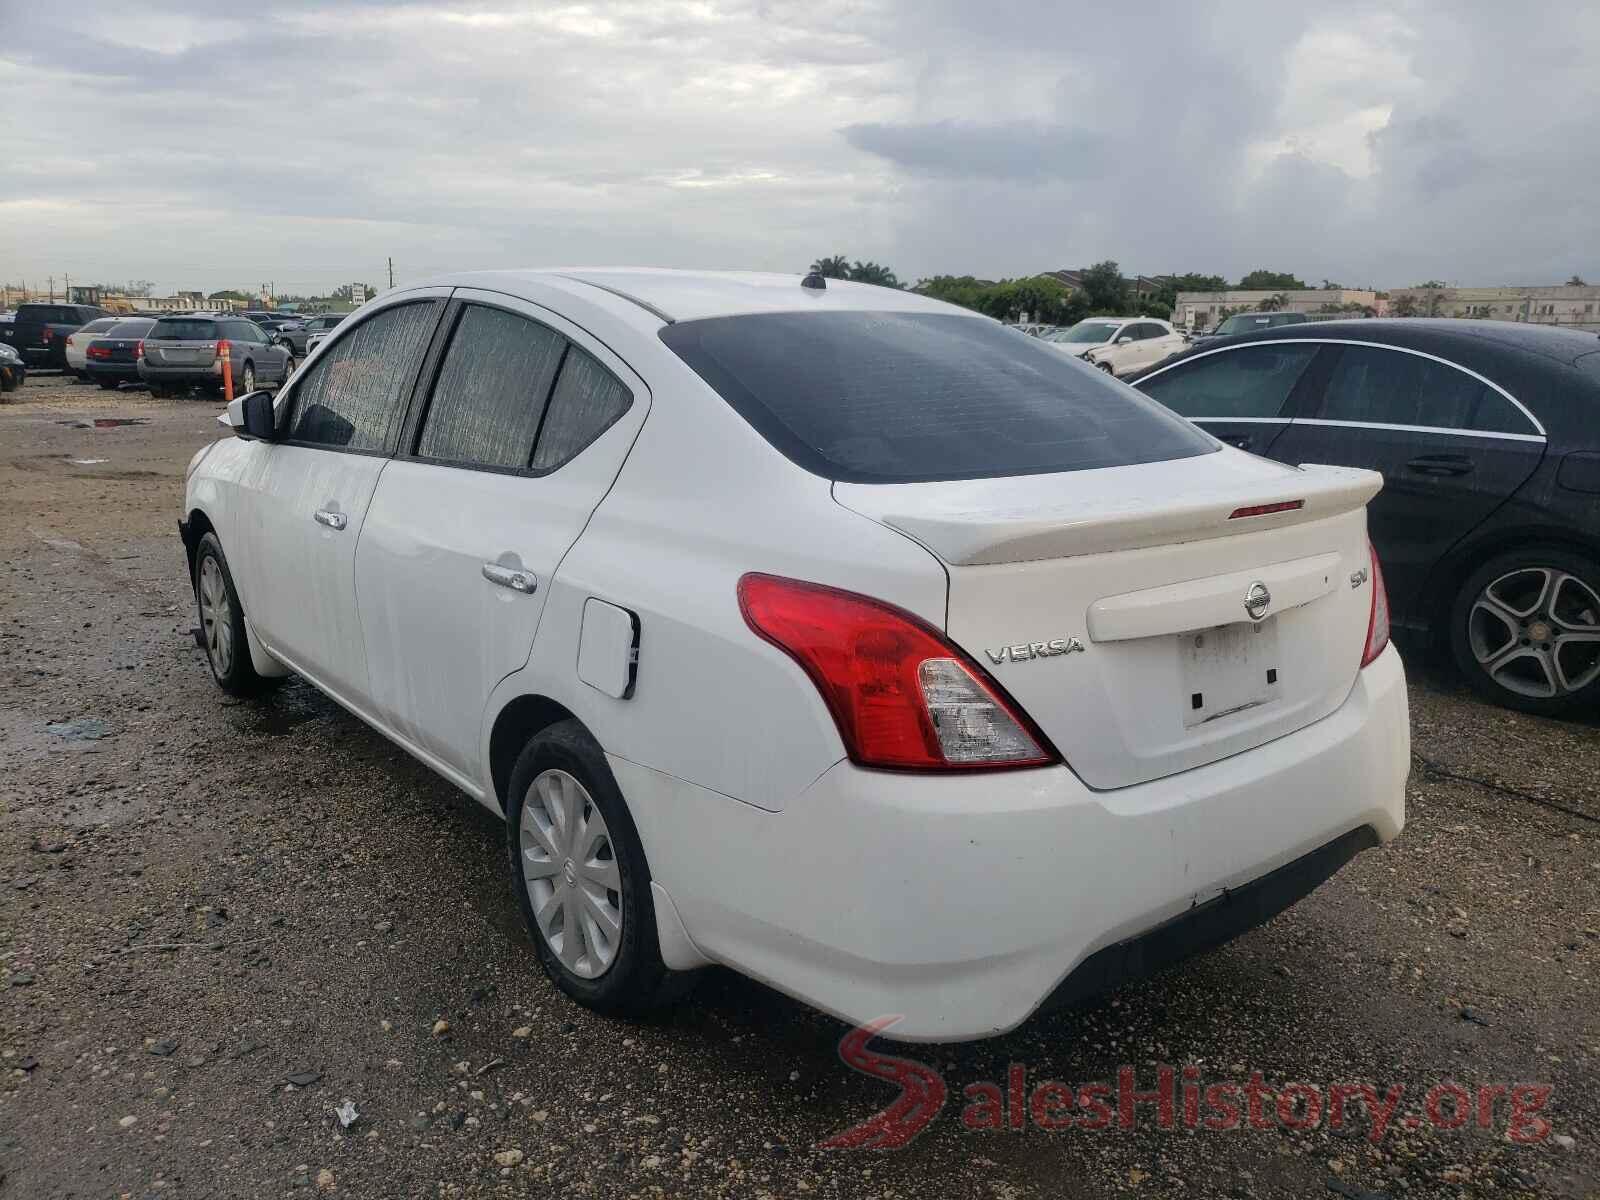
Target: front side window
(1389, 387)
(491, 390)
(1091, 332)
(896, 397)
(353, 396)
(1252, 381)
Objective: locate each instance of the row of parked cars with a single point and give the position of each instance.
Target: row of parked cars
(1123, 346)
(168, 352)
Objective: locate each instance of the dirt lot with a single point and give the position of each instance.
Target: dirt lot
(213, 899)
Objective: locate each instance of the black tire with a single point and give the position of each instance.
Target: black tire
(1476, 631)
(1106, 367)
(228, 652)
(636, 980)
(159, 391)
(109, 385)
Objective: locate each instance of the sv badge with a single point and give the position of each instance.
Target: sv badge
(1023, 651)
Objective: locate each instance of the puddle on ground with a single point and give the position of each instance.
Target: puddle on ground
(277, 714)
(113, 422)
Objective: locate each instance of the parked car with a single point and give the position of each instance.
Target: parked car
(1119, 345)
(39, 332)
(944, 690)
(13, 371)
(1253, 322)
(187, 351)
(301, 336)
(1488, 437)
(77, 344)
(113, 357)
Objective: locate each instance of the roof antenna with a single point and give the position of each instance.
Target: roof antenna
(815, 280)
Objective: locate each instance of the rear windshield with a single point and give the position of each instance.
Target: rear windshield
(184, 329)
(887, 397)
(126, 329)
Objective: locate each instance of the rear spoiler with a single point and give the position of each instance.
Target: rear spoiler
(972, 523)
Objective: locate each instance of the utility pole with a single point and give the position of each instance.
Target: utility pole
(66, 288)
(391, 270)
(52, 280)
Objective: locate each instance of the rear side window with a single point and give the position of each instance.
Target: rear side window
(491, 391)
(184, 329)
(892, 397)
(1388, 387)
(353, 396)
(587, 401)
(1252, 381)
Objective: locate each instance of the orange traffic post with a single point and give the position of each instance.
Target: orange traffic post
(227, 373)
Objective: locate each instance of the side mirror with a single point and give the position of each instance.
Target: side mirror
(251, 417)
(1124, 340)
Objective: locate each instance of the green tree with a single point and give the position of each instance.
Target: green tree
(1435, 284)
(1197, 283)
(1276, 280)
(871, 272)
(1404, 306)
(1275, 303)
(1104, 288)
(1329, 285)
(1576, 281)
(835, 266)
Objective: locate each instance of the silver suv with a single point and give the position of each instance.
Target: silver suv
(187, 351)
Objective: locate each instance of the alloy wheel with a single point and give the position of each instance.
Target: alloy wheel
(569, 866)
(247, 379)
(216, 616)
(1535, 631)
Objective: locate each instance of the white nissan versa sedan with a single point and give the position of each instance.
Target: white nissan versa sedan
(818, 629)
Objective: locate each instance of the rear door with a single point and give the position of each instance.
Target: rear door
(304, 499)
(524, 429)
(1245, 395)
(1451, 445)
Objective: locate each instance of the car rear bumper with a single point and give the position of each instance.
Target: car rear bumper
(208, 373)
(113, 370)
(963, 904)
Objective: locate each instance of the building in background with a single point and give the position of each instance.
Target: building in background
(1198, 311)
(1571, 306)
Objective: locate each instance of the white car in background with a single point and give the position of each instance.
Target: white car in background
(77, 344)
(817, 629)
(1117, 345)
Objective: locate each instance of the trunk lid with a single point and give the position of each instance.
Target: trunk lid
(1148, 569)
(179, 353)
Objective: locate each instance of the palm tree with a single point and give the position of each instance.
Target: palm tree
(1275, 303)
(835, 267)
(871, 272)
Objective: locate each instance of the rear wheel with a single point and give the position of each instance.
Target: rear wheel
(247, 380)
(1106, 367)
(109, 385)
(159, 392)
(222, 623)
(1525, 630)
(580, 875)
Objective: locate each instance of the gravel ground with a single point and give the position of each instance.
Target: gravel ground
(218, 920)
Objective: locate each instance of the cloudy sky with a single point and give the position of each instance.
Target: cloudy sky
(214, 145)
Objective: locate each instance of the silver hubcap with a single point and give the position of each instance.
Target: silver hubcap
(1536, 632)
(570, 868)
(248, 380)
(216, 616)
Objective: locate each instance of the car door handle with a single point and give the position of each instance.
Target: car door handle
(514, 578)
(1441, 464)
(333, 520)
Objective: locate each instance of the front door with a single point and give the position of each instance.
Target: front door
(1241, 395)
(526, 427)
(1452, 448)
(305, 497)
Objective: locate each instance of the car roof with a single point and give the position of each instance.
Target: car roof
(676, 295)
(1434, 334)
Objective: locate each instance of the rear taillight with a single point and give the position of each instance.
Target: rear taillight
(138, 349)
(96, 351)
(1378, 614)
(902, 696)
(69, 339)
(49, 335)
